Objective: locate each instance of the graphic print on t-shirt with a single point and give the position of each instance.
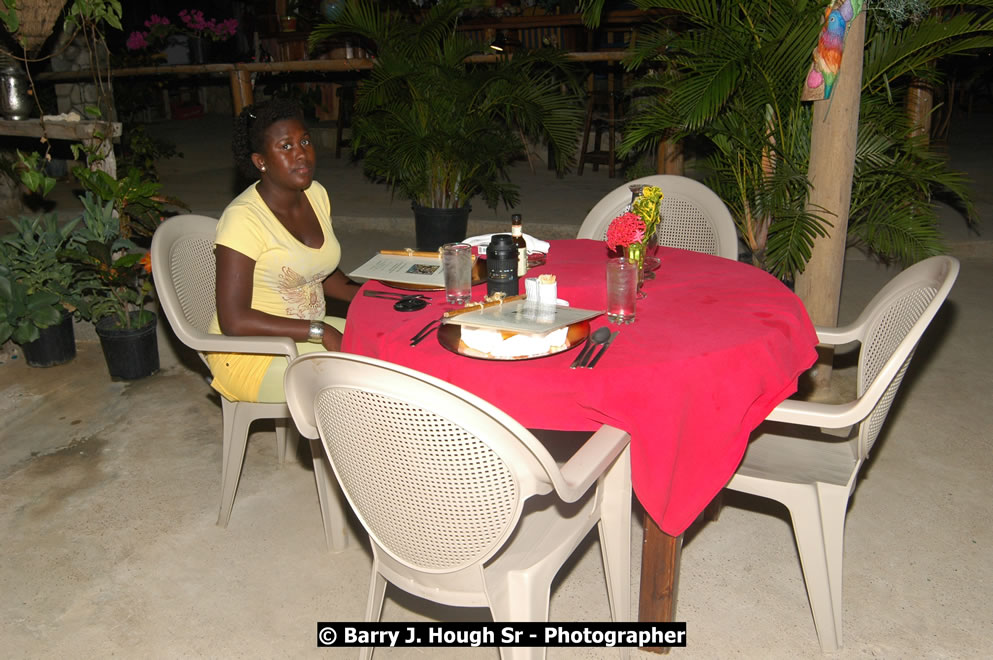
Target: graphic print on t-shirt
(304, 299)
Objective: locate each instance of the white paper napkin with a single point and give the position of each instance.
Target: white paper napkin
(534, 244)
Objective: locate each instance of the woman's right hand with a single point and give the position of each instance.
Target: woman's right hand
(332, 338)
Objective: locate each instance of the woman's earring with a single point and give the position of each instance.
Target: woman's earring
(262, 168)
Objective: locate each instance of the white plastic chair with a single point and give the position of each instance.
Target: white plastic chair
(693, 216)
(811, 471)
(183, 270)
(463, 505)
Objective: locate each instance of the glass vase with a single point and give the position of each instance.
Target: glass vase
(652, 260)
(635, 253)
(635, 194)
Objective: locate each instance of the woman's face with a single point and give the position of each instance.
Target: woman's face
(287, 159)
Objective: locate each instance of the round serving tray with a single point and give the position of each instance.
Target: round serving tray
(450, 337)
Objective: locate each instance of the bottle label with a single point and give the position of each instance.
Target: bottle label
(516, 230)
(522, 262)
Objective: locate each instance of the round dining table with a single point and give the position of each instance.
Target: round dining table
(715, 346)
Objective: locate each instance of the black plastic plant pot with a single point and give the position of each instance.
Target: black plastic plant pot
(435, 227)
(130, 353)
(55, 345)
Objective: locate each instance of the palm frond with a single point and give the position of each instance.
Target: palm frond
(891, 54)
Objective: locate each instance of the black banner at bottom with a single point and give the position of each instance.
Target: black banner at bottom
(607, 635)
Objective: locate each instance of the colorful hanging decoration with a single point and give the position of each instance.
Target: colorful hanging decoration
(830, 46)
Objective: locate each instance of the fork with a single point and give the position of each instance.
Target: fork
(583, 352)
(424, 332)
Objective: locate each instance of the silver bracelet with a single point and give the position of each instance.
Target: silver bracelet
(315, 334)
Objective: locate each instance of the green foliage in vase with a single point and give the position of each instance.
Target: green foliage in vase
(441, 129)
(731, 74)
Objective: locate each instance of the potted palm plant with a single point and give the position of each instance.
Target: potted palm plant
(732, 76)
(441, 128)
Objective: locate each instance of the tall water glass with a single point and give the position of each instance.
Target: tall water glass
(622, 290)
(456, 262)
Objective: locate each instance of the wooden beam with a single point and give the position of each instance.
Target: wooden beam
(59, 130)
(92, 133)
(316, 66)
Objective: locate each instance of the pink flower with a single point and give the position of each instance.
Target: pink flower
(154, 20)
(196, 23)
(624, 230)
(192, 22)
(194, 19)
(228, 27)
(137, 41)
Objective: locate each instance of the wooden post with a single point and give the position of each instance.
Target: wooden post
(241, 90)
(832, 163)
(920, 103)
(669, 158)
(659, 577)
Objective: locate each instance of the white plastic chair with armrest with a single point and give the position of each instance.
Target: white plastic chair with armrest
(811, 471)
(183, 270)
(462, 504)
(693, 216)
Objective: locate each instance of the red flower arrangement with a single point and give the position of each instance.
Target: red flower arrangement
(624, 230)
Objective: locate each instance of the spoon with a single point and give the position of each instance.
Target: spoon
(599, 336)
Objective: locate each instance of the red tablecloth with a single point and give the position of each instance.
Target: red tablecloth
(716, 345)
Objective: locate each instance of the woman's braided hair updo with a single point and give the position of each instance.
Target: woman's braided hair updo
(250, 127)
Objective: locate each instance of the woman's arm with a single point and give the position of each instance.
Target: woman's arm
(233, 292)
(338, 286)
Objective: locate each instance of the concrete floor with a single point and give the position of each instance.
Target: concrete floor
(109, 490)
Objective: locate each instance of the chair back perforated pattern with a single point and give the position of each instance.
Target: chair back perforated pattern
(895, 320)
(883, 338)
(693, 216)
(432, 494)
(192, 266)
(183, 271)
(684, 225)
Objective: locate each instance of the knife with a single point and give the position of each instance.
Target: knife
(587, 348)
(391, 295)
(603, 350)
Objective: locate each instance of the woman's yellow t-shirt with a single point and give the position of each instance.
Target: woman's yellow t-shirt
(288, 278)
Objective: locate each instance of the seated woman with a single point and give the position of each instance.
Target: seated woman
(276, 254)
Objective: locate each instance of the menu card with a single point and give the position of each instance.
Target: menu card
(524, 316)
(403, 269)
